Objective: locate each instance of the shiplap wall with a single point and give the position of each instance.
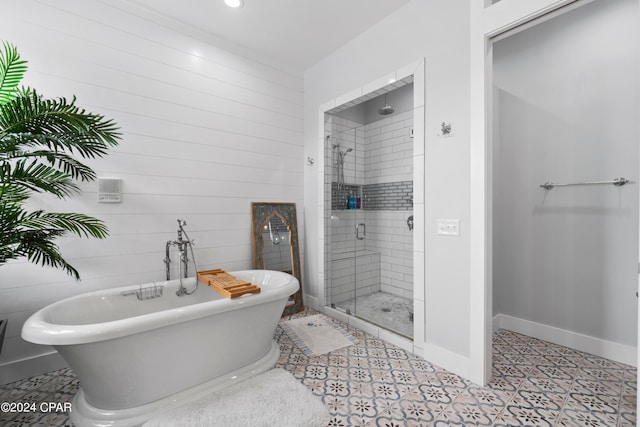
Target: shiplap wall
(207, 129)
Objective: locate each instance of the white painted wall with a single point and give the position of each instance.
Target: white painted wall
(439, 32)
(208, 128)
(566, 110)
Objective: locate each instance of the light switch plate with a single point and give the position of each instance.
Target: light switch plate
(449, 227)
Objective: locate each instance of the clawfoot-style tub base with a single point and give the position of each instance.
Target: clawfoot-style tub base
(83, 414)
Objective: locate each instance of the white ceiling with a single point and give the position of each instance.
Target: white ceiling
(294, 33)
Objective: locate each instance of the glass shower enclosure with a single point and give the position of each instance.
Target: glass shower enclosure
(368, 208)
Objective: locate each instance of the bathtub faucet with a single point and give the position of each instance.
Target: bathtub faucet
(182, 243)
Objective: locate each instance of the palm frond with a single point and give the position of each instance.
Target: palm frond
(79, 224)
(12, 69)
(39, 248)
(32, 235)
(40, 141)
(12, 194)
(63, 125)
(38, 177)
(56, 159)
(11, 144)
(10, 214)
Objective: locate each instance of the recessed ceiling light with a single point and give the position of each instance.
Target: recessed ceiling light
(234, 3)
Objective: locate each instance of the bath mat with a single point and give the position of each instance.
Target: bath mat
(317, 334)
(274, 398)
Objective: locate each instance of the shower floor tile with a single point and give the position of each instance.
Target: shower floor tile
(383, 309)
(376, 384)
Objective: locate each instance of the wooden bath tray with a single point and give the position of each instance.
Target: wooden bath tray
(227, 285)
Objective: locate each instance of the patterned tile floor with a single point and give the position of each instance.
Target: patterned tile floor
(374, 383)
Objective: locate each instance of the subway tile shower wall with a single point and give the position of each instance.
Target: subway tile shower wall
(389, 196)
(388, 155)
(379, 170)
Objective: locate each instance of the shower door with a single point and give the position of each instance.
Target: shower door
(346, 223)
(369, 240)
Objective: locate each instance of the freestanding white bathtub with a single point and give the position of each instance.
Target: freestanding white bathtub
(136, 358)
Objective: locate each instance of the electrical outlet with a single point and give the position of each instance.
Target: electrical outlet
(449, 227)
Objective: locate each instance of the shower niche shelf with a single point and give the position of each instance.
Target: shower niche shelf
(340, 194)
(394, 195)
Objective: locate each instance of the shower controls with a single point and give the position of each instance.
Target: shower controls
(449, 227)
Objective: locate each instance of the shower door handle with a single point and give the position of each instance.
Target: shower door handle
(364, 231)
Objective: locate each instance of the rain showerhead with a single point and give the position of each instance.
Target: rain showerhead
(387, 109)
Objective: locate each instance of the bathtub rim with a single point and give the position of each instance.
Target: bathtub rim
(37, 330)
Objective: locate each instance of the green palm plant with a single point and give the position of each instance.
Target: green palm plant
(40, 141)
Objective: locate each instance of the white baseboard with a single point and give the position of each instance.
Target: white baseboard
(312, 302)
(452, 362)
(26, 368)
(611, 350)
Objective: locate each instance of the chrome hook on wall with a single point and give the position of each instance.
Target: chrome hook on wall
(446, 130)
